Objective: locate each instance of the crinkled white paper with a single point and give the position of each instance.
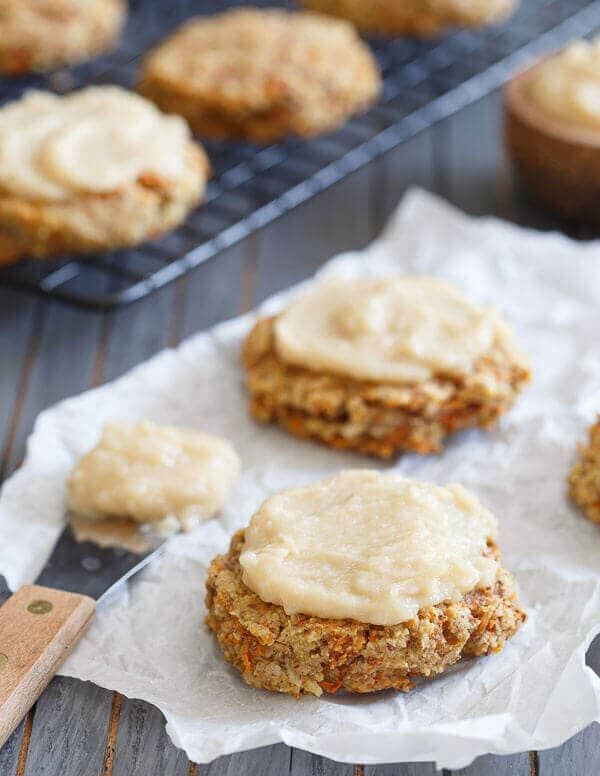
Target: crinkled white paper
(150, 642)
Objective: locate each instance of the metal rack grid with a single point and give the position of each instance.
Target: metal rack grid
(424, 81)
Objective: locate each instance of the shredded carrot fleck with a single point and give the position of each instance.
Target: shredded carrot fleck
(331, 687)
(246, 659)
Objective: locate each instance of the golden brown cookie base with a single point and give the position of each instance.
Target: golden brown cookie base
(371, 418)
(584, 479)
(98, 222)
(262, 127)
(301, 654)
(290, 85)
(421, 18)
(61, 39)
(558, 165)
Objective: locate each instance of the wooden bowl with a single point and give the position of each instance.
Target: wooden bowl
(558, 163)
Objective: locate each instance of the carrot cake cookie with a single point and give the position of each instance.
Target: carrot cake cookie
(98, 169)
(262, 74)
(364, 581)
(414, 17)
(380, 365)
(584, 479)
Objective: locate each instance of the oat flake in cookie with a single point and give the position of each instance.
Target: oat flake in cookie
(365, 581)
(96, 169)
(144, 481)
(380, 365)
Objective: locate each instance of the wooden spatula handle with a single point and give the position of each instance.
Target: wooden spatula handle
(38, 628)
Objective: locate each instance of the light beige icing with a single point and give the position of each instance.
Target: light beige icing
(368, 546)
(567, 86)
(395, 329)
(168, 478)
(95, 140)
(113, 532)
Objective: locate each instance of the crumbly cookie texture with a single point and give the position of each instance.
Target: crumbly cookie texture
(38, 35)
(422, 18)
(584, 479)
(377, 418)
(262, 74)
(95, 170)
(299, 654)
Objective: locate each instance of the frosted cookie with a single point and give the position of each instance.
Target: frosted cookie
(362, 582)
(584, 479)
(382, 365)
(144, 480)
(552, 130)
(414, 17)
(37, 35)
(262, 74)
(97, 169)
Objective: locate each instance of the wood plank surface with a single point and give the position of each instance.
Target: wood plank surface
(39, 628)
(48, 351)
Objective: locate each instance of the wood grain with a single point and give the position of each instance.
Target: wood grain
(409, 769)
(24, 748)
(143, 747)
(111, 738)
(257, 762)
(38, 628)
(303, 763)
(70, 729)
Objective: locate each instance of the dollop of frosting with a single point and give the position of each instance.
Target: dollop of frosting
(395, 329)
(567, 86)
(368, 546)
(96, 140)
(149, 473)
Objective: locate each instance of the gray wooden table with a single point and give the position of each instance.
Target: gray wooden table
(48, 352)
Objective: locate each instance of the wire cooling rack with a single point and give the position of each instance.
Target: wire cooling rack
(423, 83)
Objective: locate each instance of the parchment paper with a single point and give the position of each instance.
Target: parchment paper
(149, 642)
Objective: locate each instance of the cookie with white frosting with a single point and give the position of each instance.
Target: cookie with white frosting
(97, 169)
(380, 365)
(363, 582)
(584, 478)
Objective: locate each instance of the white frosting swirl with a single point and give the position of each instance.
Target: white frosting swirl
(369, 546)
(96, 140)
(402, 329)
(567, 85)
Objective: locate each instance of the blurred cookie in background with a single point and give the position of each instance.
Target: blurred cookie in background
(97, 169)
(39, 35)
(262, 74)
(421, 18)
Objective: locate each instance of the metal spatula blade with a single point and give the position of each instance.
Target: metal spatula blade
(41, 623)
(86, 568)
